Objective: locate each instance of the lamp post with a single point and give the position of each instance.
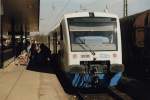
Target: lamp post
(1, 36)
(125, 8)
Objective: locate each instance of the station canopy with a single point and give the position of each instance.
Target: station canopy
(20, 15)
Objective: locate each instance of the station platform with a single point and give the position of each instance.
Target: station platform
(17, 83)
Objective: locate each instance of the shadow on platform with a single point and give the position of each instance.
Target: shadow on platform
(38, 64)
(43, 68)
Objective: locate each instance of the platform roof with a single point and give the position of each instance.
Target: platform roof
(20, 15)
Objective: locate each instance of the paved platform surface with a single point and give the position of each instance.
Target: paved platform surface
(17, 83)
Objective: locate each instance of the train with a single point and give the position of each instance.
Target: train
(89, 50)
(135, 35)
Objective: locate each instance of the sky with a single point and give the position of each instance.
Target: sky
(51, 11)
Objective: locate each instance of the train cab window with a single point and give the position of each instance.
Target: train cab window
(139, 37)
(98, 33)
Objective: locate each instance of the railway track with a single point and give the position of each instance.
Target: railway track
(111, 94)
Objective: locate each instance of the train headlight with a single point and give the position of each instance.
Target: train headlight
(74, 56)
(116, 68)
(76, 69)
(114, 55)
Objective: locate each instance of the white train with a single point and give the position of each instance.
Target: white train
(88, 45)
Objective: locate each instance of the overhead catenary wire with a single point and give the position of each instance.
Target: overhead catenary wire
(59, 13)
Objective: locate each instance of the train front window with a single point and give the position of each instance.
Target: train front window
(97, 33)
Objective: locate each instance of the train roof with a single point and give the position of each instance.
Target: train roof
(83, 14)
(137, 14)
(87, 14)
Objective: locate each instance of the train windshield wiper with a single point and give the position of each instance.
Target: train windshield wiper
(83, 42)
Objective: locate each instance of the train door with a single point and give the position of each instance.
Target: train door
(146, 57)
(63, 51)
(54, 42)
(142, 40)
(61, 43)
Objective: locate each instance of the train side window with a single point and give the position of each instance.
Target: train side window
(139, 37)
(61, 32)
